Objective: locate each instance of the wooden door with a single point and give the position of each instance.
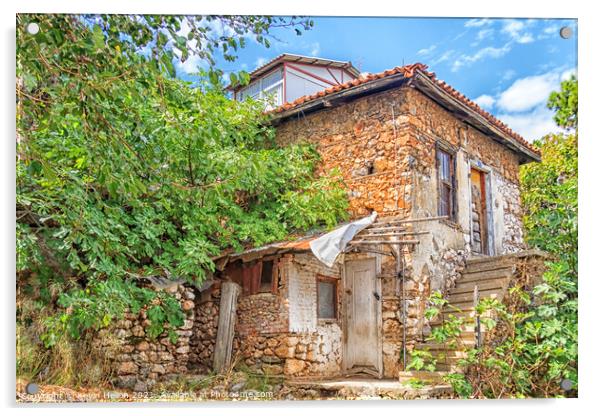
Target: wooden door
(480, 220)
(362, 347)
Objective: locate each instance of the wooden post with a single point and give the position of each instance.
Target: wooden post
(225, 330)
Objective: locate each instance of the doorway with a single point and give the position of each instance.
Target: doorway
(479, 213)
(362, 347)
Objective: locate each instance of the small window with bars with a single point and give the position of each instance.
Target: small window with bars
(446, 179)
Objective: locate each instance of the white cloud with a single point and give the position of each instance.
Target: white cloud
(528, 92)
(444, 57)
(484, 33)
(568, 73)
(487, 52)
(532, 125)
(426, 51)
(508, 74)
(485, 101)
(477, 22)
(552, 29)
(516, 29)
(523, 104)
(315, 49)
(260, 61)
(218, 28)
(191, 65)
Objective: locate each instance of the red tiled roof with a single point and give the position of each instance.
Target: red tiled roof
(409, 71)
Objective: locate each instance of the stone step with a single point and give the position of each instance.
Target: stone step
(447, 367)
(463, 310)
(501, 275)
(466, 316)
(489, 259)
(436, 347)
(468, 287)
(469, 297)
(431, 377)
(468, 332)
(484, 266)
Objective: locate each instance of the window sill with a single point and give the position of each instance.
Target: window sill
(451, 224)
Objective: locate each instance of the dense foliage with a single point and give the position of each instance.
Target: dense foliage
(533, 339)
(549, 194)
(124, 171)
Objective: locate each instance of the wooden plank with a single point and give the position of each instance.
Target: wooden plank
(393, 234)
(391, 228)
(225, 329)
(412, 220)
(384, 242)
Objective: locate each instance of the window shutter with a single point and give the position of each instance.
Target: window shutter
(275, 277)
(256, 277)
(246, 280)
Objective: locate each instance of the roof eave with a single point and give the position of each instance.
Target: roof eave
(425, 84)
(340, 97)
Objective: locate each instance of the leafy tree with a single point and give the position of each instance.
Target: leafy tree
(549, 193)
(124, 171)
(565, 103)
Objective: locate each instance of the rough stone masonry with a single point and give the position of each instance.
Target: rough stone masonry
(384, 146)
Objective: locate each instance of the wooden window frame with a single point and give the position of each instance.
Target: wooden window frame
(335, 282)
(270, 288)
(450, 184)
(251, 279)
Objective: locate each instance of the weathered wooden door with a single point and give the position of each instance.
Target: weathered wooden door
(362, 306)
(480, 220)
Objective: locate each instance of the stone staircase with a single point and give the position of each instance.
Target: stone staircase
(491, 276)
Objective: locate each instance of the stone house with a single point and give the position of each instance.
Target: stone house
(441, 175)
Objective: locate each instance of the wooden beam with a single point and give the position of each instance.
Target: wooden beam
(225, 329)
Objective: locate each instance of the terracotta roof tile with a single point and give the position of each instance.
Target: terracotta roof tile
(409, 71)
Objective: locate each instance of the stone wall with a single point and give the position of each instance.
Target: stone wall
(279, 334)
(384, 146)
(359, 139)
(202, 341)
(142, 361)
(261, 313)
(295, 355)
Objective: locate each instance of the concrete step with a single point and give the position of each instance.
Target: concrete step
(485, 265)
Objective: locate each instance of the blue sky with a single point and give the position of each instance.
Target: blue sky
(508, 66)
